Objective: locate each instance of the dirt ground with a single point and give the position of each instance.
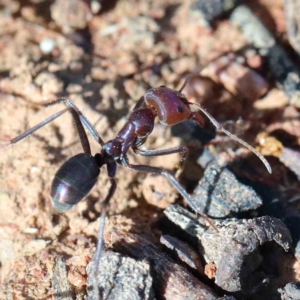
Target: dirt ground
(104, 59)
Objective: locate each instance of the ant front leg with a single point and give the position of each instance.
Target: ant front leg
(183, 150)
(155, 170)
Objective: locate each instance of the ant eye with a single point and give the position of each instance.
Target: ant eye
(180, 109)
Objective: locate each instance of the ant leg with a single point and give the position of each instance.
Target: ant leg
(82, 134)
(111, 168)
(160, 152)
(149, 169)
(104, 206)
(86, 123)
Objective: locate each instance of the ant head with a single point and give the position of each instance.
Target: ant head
(112, 150)
(171, 106)
(173, 93)
(182, 98)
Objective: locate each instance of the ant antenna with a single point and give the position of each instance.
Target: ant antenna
(221, 128)
(187, 78)
(197, 72)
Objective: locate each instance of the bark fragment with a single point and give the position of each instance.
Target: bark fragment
(120, 277)
(60, 284)
(290, 292)
(220, 194)
(235, 248)
(170, 280)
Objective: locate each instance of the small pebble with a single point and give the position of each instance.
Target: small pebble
(291, 291)
(47, 45)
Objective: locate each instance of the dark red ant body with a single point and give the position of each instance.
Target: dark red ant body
(77, 176)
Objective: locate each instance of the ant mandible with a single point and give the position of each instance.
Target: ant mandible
(77, 176)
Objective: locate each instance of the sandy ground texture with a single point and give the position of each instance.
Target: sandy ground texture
(104, 56)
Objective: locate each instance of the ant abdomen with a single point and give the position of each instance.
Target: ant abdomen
(73, 181)
(171, 106)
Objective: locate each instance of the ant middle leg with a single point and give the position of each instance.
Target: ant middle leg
(183, 150)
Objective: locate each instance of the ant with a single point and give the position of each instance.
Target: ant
(78, 175)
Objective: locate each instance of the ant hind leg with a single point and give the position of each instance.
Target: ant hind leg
(86, 123)
(82, 134)
(191, 202)
(111, 170)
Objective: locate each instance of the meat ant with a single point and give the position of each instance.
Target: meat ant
(77, 176)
